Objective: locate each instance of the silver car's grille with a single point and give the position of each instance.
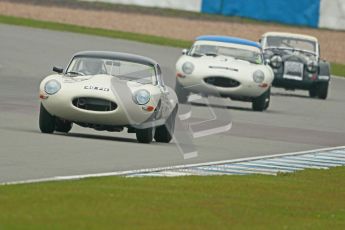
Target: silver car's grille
(293, 70)
(222, 81)
(94, 104)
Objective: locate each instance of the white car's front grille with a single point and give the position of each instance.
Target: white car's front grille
(94, 104)
(220, 81)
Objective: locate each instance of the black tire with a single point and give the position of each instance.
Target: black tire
(313, 92)
(46, 121)
(145, 135)
(63, 126)
(268, 99)
(322, 90)
(322, 87)
(181, 92)
(262, 102)
(164, 133)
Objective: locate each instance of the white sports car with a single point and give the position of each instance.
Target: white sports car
(226, 67)
(109, 91)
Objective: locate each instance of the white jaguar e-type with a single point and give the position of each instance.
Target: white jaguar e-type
(225, 67)
(109, 91)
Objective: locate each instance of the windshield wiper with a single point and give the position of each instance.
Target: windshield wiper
(305, 51)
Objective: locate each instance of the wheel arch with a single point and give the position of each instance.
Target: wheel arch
(324, 68)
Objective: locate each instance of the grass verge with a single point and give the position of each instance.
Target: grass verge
(311, 199)
(94, 31)
(337, 69)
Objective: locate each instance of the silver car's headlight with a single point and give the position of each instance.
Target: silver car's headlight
(52, 87)
(276, 61)
(142, 97)
(188, 68)
(258, 76)
(312, 66)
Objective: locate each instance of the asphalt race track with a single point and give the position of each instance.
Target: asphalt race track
(294, 122)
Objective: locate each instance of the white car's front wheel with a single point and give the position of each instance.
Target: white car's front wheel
(262, 102)
(63, 126)
(46, 121)
(145, 135)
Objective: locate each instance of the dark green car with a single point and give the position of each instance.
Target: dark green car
(295, 61)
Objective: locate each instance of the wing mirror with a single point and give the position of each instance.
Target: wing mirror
(57, 69)
(184, 51)
(267, 61)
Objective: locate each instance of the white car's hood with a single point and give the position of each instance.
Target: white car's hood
(221, 60)
(221, 65)
(206, 63)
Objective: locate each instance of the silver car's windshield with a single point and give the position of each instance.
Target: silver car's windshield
(237, 53)
(291, 43)
(125, 70)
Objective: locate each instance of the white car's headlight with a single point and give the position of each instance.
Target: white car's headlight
(258, 76)
(276, 61)
(52, 87)
(188, 68)
(142, 97)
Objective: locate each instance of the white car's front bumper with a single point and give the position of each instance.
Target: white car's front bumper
(126, 113)
(246, 87)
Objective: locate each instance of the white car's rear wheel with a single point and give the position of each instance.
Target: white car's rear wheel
(145, 135)
(46, 121)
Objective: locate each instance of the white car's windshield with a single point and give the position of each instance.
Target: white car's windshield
(125, 70)
(289, 42)
(237, 53)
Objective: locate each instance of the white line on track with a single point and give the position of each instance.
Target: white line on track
(208, 168)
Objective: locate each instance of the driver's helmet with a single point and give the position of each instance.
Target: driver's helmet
(92, 66)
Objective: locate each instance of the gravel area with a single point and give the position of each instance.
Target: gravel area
(332, 42)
